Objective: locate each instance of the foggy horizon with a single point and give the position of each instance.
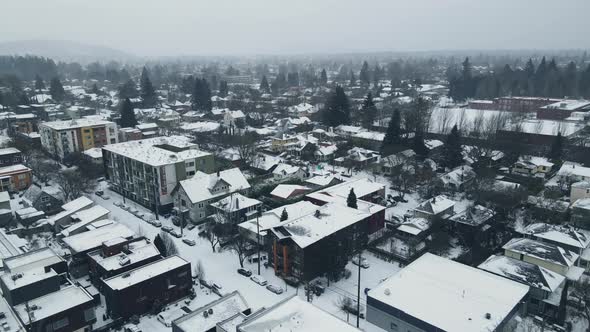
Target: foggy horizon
(263, 27)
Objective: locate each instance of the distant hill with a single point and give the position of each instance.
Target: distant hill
(63, 50)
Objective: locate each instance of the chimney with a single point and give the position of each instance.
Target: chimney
(237, 204)
(218, 173)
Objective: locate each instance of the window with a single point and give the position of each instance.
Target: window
(112, 141)
(183, 202)
(89, 314)
(191, 164)
(22, 176)
(61, 323)
(44, 199)
(191, 173)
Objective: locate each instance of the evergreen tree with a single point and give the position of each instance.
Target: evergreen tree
(293, 79)
(128, 119)
(393, 134)
(584, 84)
(95, 89)
(159, 244)
(128, 89)
(352, 78)
(337, 110)
(368, 111)
(39, 84)
(148, 94)
(223, 89)
(418, 144)
(323, 77)
(24, 100)
(452, 150)
(56, 90)
(284, 215)
(377, 74)
(202, 95)
(351, 199)
(365, 75)
(570, 80)
(556, 151)
(540, 78)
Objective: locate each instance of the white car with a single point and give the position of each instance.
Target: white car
(259, 280)
(364, 264)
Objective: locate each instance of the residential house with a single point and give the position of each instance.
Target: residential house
(110, 261)
(213, 317)
(148, 170)
(67, 309)
(413, 299)
(369, 139)
(439, 207)
(546, 288)
(544, 254)
(15, 178)
(475, 224)
(81, 219)
(532, 166)
(235, 208)
(348, 131)
(408, 241)
(148, 130)
(293, 314)
(458, 178)
(195, 195)
(147, 287)
(322, 181)
(580, 189)
(129, 134)
(94, 155)
(63, 218)
(391, 162)
(359, 158)
(10, 156)
(233, 121)
(284, 192)
(283, 143)
(580, 213)
(317, 243)
(46, 199)
(60, 138)
(285, 172)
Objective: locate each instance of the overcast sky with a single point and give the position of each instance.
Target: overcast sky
(212, 27)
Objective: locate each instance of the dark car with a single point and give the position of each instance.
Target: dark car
(175, 234)
(245, 272)
(99, 193)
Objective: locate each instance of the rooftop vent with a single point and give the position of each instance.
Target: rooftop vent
(488, 315)
(387, 291)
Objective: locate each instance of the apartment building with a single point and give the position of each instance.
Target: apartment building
(147, 171)
(60, 138)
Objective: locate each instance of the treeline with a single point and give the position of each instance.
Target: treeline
(547, 79)
(27, 67)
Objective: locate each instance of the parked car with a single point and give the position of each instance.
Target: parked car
(175, 234)
(275, 289)
(105, 197)
(245, 272)
(189, 242)
(99, 193)
(167, 229)
(191, 226)
(259, 280)
(131, 328)
(217, 286)
(118, 204)
(364, 264)
(156, 223)
(148, 217)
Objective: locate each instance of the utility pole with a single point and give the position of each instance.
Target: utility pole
(258, 238)
(358, 292)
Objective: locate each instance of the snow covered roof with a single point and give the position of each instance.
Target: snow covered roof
(220, 310)
(414, 226)
(435, 205)
(84, 218)
(137, 251)
(524, 272)
(145, 126)
(458, 175)
(322, 180)
(286, 190)
(564, 234)
(235, 202)
(574, 169)
(350, 129)
(370, 135)
(145, 272)
(93, 153)
(14, 169)
(549, 127)
(94, 238)
(155, 151)
(362, 187)
(568, 105)
(286, 169)
(473, 216)
(582, 203)
(53, 303)
(6, 151)
(272, 218)
(294, 315)
(542, 250)
(431, 283)
(311, 228)
(202, 186)
(26, 277)
(534, 161)
(77, 123)
(201, 126)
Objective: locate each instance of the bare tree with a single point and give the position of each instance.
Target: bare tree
(582, 292)
(240, 246)
(246, 149)
(43, 168)
(199, 270)
(212, 233)
(169, 245)
(72, 184)
(403, 180)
